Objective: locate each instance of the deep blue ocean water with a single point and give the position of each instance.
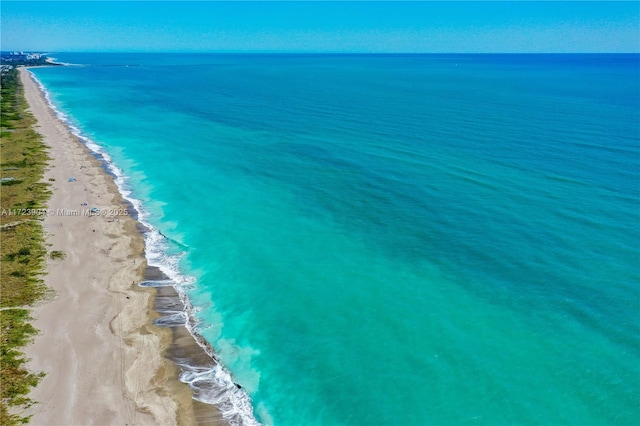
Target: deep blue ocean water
(394, 239)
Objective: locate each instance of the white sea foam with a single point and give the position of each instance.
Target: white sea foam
(54, 61)
(178, 318)
(212, 386)
(215, 386)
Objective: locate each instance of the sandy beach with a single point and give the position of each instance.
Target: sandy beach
(102, 356)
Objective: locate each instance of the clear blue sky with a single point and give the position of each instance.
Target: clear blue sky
(450, 26)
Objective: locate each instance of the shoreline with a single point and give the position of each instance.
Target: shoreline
(105, 364)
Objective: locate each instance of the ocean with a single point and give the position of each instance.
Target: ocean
(387, 239)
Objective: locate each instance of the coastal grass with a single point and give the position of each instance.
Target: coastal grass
(23, 157)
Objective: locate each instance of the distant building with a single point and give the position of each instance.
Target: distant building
(22, 58)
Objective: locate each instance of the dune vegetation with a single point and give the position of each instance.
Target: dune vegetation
(23, 194)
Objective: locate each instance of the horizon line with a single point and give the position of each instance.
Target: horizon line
(222, 52)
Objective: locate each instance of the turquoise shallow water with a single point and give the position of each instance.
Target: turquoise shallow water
(416, 240)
